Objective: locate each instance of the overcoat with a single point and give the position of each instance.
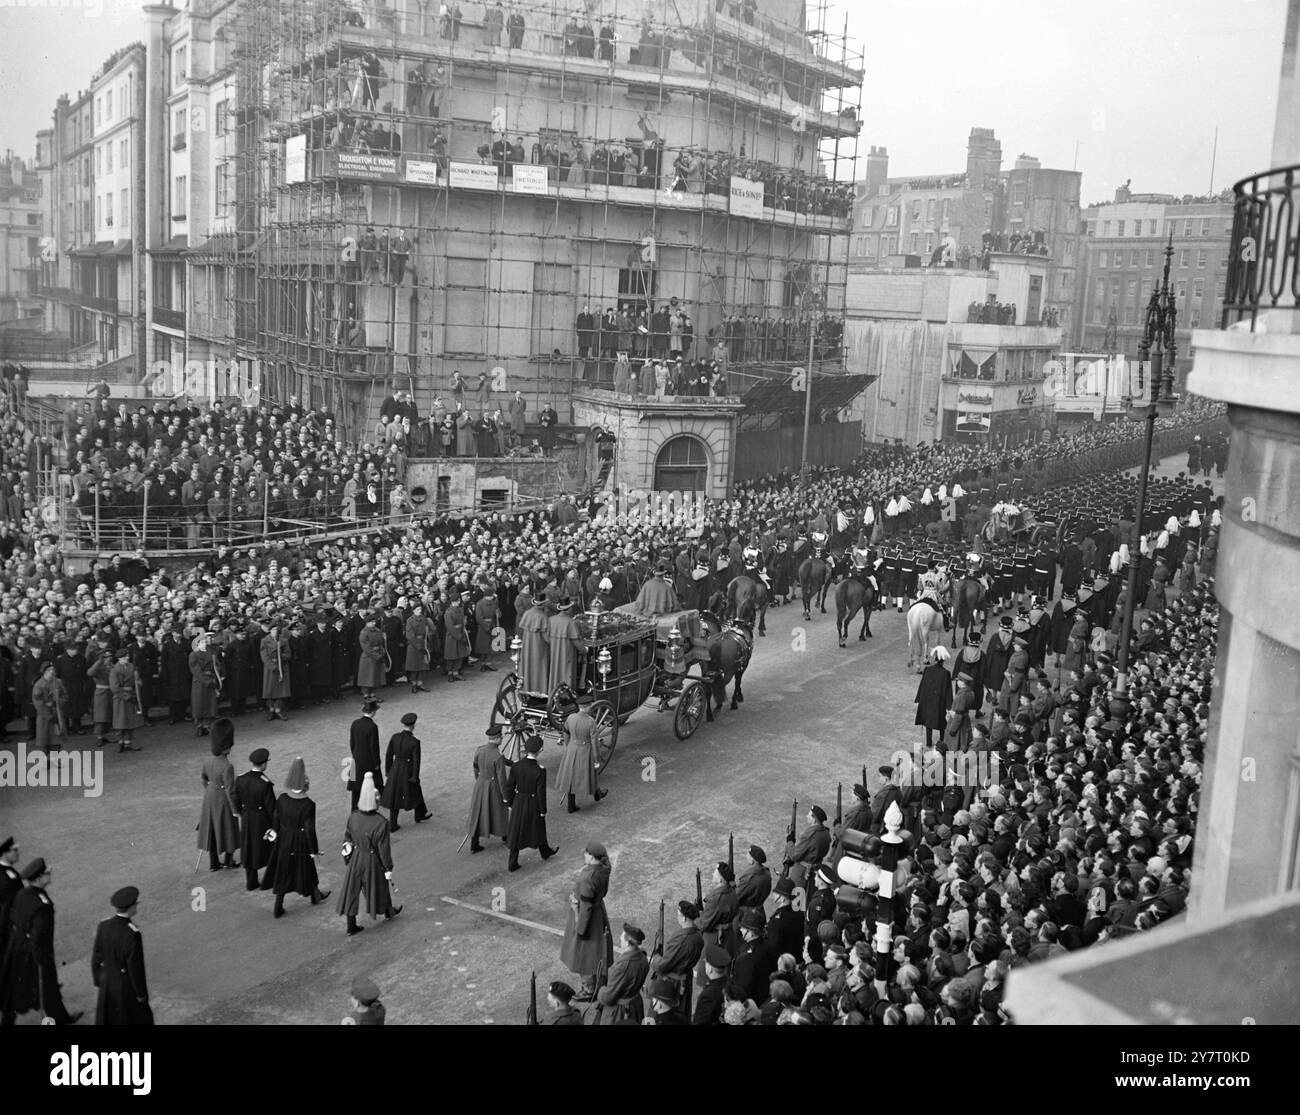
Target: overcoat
(934, 696)
(419, 630)
(218, 809)
(487, 618)
(577, 773)
(292, 868)
(402, 775)
(534, 652)
(487, 803)
(117, 969)
(526, 797)
(563, 640)
(371, 671)
(121, 682)
(371, 856)
(201, 670)
(275, 667)
(587, 941)
(253, 799)
(456, 644)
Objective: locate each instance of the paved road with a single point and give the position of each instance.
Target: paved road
(814, 714)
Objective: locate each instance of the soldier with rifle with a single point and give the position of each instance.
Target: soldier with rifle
(676, 959)
(124, 685)
(559, 997)
(718, 917)
(48, 698)
(754, 883)
(803, 856)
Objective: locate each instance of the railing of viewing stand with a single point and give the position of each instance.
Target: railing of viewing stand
(1265, 244)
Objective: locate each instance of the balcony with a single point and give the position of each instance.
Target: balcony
(216, 327)
(169, 318)
(1263, 277)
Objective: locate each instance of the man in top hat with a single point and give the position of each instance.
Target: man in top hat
(402, 775)
(657, 595)
(756, 961)
(29, 975)
(253, 799)
(117, 966)
(665, 1005)
(754, 883)
(526, 799)
(997, 654)
(559, 997)
(564, 640)
(786, 925)
(803, 856)
(534, 652)
(11, 882)
(1013, 683)
(620, 998)
(367, 1010)
(364, 745)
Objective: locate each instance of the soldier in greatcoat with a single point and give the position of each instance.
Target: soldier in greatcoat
(620, 999)
(372, 667)
(174, 676)
(101, 706)
(419, 635)
(117, 966)
(201, 668)
(253, 800)
(50, 699)
(455, 648)
(577, 773)
(276, 655)
(217, 828)
(402, 775)
(526, 797)
(127, 713)
(369, 855)
(587, 946)
(488, 814)
(29, 974)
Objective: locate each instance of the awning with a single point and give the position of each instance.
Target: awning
(828, 393)
(174, 246)
(100, 249)
(122, 249)
(217, 246)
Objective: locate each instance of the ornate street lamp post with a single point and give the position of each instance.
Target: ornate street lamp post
(1160, 347)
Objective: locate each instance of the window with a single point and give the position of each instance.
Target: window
(929, 211)
(1130, 315)
(1101, 290)
(915, 245)
(1132, 289)
(179, 198)
(222, 124)
(1018, 195)
(108, 158)
(1181, 293)
(1150, 258)
(1151, 228)
(1092, 228)
(884, 190)
(1133, 257)
(33, 218)
(552, 317)
(108, 209)
(891, 217)
(1102, 257)
(1119, 227)
(1198, 289)
(98, 108)
(1105, 228)
(1183, 256)
(123, 154)
(916, 210)
(1187, 227)
(223, 187)
(945, 210)
(178, 68)
(1200, 258)
(1205, 226)
(99, 161)
(1223, 262)
(125, 220)
(99, 210)
(682, 466)
(178, 129)
(108, 105)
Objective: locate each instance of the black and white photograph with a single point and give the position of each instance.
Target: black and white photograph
(519, 513)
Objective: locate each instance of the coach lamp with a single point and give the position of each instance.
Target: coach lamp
(675, 660)
(604, 662)
(516, 645)
(594, 611)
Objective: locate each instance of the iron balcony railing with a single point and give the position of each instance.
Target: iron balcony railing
(1262, 261)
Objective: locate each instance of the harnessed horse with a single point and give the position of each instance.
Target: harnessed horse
(730, 647)
(747, 600)
(815, 577)
(926, 618)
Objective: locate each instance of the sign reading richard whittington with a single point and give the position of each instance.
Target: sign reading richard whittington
(746, 197)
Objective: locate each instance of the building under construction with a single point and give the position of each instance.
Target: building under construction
(528, 190)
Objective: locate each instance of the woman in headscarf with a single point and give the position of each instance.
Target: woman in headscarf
(293, 856)
(369, 856)
(217, 830)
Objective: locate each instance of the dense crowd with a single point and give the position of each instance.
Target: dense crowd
(211, 473)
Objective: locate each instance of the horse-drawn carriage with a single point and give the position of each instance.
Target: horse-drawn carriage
(626, 660)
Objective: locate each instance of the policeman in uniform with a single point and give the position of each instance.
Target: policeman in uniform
(29, 977)
(10, 885)
(117, 966)
(367, 1010)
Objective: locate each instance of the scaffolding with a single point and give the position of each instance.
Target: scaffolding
(421, 189)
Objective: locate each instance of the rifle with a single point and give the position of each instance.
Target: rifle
(699, 892)
(531, 1018)
(602, 974)
(139, 701)
(864, 776)
(790, 834)
(658, 948)
(839, 803)
(731, 851)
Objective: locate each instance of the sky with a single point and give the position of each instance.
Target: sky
(1119, 89)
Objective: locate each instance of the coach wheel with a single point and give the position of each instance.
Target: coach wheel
(558, 708)
(689, 713)
(508, 713)
(604, 736)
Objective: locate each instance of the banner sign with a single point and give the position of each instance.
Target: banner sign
(472, 176)
(746, 197)
(973, 423)
(369, 168)
(419, 173)
(529, 179)
(975, 402)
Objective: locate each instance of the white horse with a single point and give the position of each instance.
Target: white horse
(924, 629)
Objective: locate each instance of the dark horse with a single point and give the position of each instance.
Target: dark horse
(747, 600)
(814, 581)
(730, 646)
(969, 603)
(852, 596)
